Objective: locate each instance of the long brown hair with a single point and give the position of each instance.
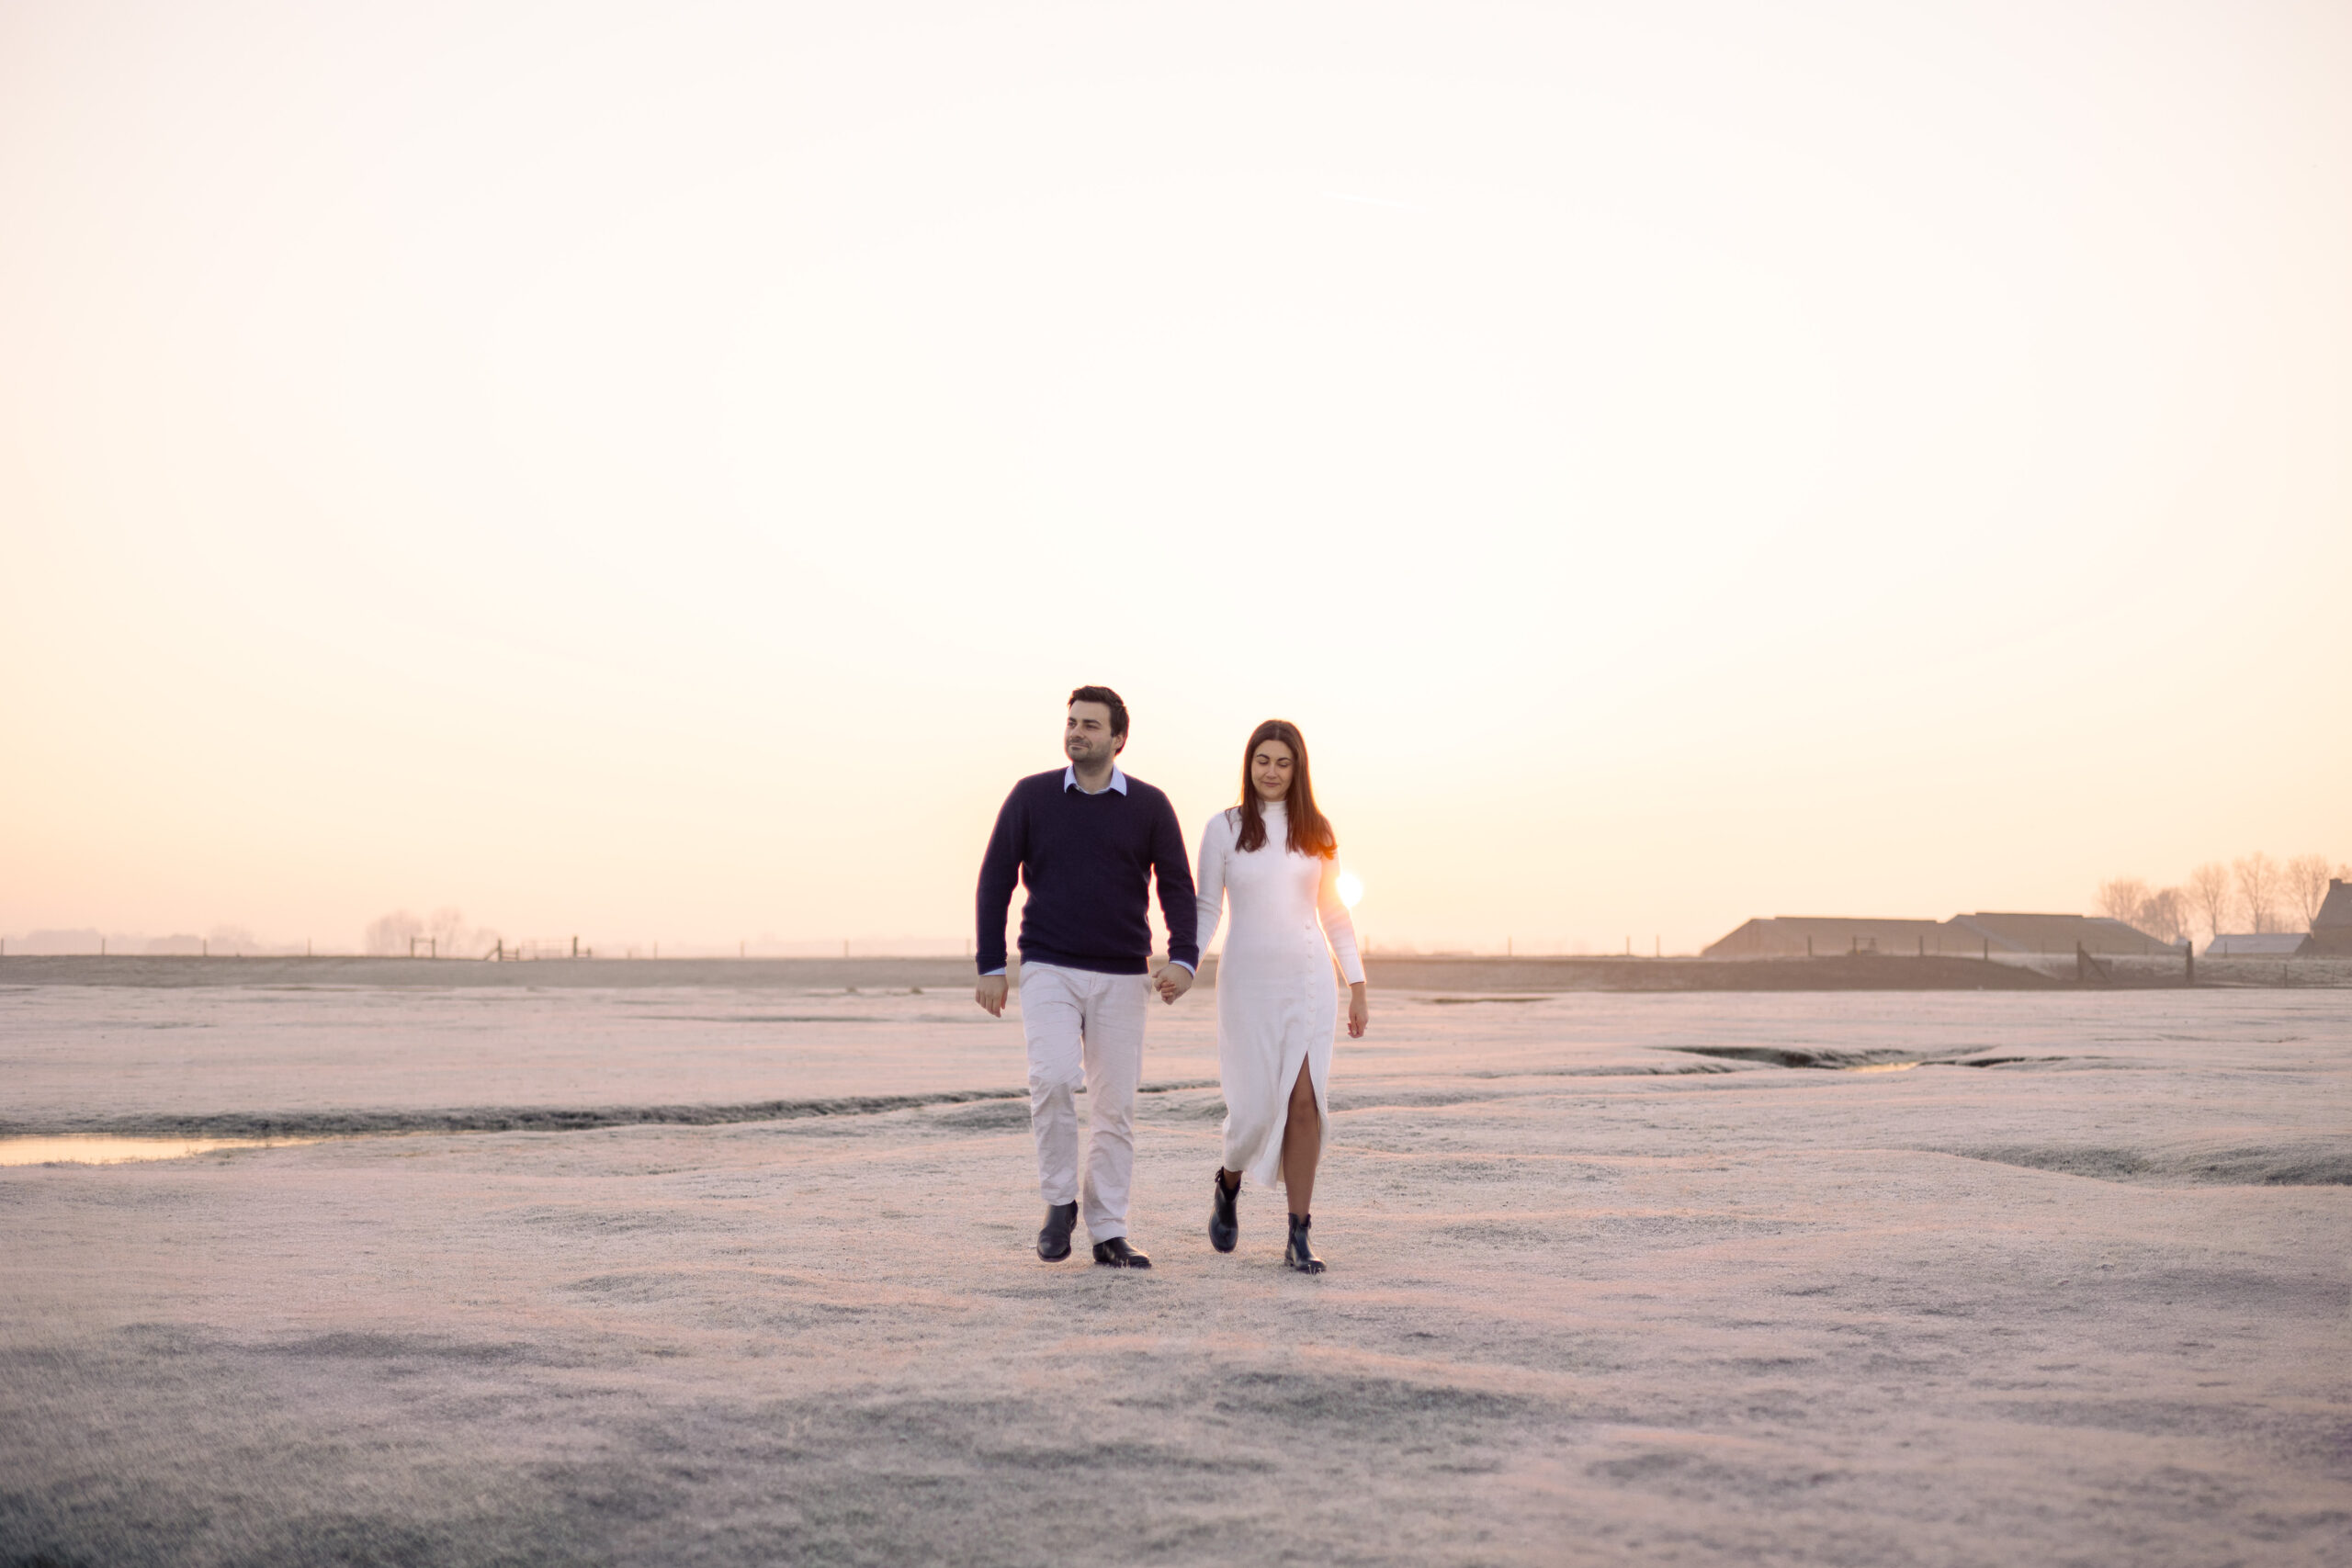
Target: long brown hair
(1310, 832)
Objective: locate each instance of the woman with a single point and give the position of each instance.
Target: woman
(1277, 860)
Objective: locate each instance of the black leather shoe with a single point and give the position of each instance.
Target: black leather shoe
(1116, 1254)
(1299, 1255)
(1053, 1242)
(1225, 1225)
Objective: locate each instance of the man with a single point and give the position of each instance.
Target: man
(1087, 840)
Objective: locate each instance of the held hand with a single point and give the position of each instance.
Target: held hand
(1173, 981)
(989, 994)
(1358, 1011)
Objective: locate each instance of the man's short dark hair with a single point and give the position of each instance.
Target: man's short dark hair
(1109, 699)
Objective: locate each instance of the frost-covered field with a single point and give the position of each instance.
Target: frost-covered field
(1615, 1278)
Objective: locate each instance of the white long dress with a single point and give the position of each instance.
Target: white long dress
(1276, 1007)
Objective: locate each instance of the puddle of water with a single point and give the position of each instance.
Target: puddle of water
(1884, 1067)
(98, 1148)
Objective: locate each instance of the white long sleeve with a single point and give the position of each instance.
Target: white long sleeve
(1338, 926)
(1208, 876)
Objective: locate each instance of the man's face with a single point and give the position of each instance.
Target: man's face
(1087, 737)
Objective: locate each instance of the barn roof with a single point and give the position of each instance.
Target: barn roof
(2256, 944)
(1991, 930)
(2058, 933)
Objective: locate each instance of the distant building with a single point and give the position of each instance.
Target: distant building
(2257, 944)
(51, 943)
(2095, 934)
(1794, 936)
(1977, 935)
(2331, 926)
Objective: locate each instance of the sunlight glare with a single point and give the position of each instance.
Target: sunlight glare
(98, 1148)
(1350, 888)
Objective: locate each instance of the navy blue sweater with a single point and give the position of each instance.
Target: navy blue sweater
(1088, 860)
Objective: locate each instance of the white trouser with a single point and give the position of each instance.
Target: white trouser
(1084, 1028)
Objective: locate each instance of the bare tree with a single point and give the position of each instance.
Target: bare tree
(2165, 914)
(447, 930)
(389, 936)
(2307, 885)
(234, 941)
(2120, 898)
(2209, 894)
(2258, 890)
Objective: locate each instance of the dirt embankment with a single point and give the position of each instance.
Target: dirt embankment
(1865, 973)
(545, 973)
(1484, 975)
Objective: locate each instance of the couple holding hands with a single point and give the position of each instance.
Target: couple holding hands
(1087, 841)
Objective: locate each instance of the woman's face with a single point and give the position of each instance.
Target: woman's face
(1270, 770)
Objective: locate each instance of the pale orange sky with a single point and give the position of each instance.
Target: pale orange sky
(654, 471)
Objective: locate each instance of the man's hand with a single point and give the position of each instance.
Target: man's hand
(989, 994)
(1173, 981)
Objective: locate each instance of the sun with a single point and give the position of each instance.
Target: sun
(1350, 888)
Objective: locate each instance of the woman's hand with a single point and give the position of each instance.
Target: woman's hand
(1358, 1011)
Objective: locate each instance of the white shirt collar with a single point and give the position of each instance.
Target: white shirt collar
(1118, 779)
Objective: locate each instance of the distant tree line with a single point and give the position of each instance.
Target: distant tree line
(393, 935)
(2252, 894)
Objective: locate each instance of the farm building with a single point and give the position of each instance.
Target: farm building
(2331, 927)
(1796, 936)
(2256, 944)
(2096, 934)
(1977, 935)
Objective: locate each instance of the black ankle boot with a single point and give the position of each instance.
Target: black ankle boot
(1299, 1255)
(1225, 1225)
(1116, 1254)
(1053, 1242)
